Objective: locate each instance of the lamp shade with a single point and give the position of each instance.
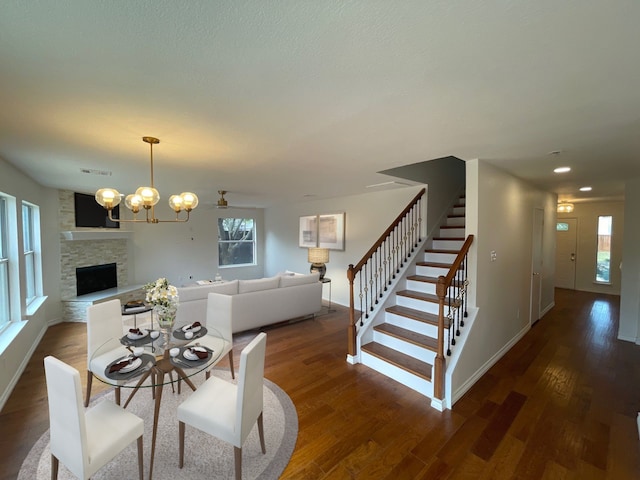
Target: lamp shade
(318, 255)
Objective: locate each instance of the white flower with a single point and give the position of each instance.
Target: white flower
(162, 296)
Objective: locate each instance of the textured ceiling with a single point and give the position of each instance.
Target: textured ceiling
(276, 101)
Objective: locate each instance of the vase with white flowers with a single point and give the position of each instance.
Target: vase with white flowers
(164, 299)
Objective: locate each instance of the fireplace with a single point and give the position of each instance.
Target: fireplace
(96, 278)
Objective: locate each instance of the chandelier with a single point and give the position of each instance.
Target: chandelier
(565, 207)
(147, 198)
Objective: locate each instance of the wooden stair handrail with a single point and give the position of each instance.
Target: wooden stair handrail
(444, 282)
(352, 271)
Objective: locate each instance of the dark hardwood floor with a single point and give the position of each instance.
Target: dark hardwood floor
(561, 404)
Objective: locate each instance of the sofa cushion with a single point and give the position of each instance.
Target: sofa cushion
(290, 281)
(258, 284)
(187, 294)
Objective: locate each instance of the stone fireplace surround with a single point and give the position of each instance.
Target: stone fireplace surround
(83, 247)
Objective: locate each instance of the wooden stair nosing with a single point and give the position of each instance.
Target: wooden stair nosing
(442, 250)
(435, 264)
(422, 278)
(451, 226)
(458, 239)
(428, 297)
(400, 360)
(415, 338)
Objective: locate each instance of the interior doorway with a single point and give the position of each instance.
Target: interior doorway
(566, 252)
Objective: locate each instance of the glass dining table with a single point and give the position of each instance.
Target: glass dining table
(152, 364)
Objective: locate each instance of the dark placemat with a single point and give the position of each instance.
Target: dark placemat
(179, 334)
(180, 361)
(147, 362)
(138, 342)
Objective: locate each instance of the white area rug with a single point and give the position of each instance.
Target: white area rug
(205, 456)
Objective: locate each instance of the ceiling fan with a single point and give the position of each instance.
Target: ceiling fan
(222, 202)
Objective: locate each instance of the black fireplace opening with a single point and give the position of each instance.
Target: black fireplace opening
(96, 278)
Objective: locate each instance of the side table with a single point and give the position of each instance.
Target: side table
(324, 281)
(135, 311)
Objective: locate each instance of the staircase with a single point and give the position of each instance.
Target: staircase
(404, 345)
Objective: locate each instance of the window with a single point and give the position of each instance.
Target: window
(603, 256)
(4, 263)
(236, 242)
(31, 248)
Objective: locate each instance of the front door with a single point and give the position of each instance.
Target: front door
(566, 243)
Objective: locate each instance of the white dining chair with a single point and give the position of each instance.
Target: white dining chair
(226, 410)
(85, 441)
(219, 336)
(104, 329)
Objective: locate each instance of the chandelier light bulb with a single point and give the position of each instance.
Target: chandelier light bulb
(108, 197)
(190, 200)
(133, 202)
(149, 195)
(176, 203)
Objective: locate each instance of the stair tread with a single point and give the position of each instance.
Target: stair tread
(417, 315)
(452, 226)
(455, 215)
(427, 297)
(441, 250)
(434, 264)
(410, 336)
(400, 360)
(457, 239)
(423, 278)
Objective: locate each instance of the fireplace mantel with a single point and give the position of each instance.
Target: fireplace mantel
(97, 234)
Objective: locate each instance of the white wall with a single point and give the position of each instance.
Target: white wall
(19, 341)
(587, 244)
(499, 213)
(367, 217)
(188, 252)
(629, 328)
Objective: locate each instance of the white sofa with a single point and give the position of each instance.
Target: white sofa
(252, 303)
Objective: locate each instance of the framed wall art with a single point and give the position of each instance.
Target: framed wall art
(331, 231)
(308, 236)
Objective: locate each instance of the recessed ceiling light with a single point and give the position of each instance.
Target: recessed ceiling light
(585, 189)
(562, 169)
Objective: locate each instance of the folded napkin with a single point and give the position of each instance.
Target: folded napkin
(193, 325)
(116, 367)
(199, 352)
(135, 331)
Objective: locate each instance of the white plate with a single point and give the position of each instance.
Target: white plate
(192, 356)
(194, 329)
(131, 367)
(133, 336)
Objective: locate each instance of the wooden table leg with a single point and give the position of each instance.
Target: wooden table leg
(135, 389)
(156, 412)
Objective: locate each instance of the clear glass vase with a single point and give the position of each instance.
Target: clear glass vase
(165, 322)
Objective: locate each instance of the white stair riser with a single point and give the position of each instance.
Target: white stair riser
(424, 287)
(458, 211)
(447, 244)
(410, 324)
(414, 382)
(440, 257)
(432, 271)
(452, 232)
(455, 221)
(416, 304)
(407, 348)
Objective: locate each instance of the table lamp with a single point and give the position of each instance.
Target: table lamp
(318, 257)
